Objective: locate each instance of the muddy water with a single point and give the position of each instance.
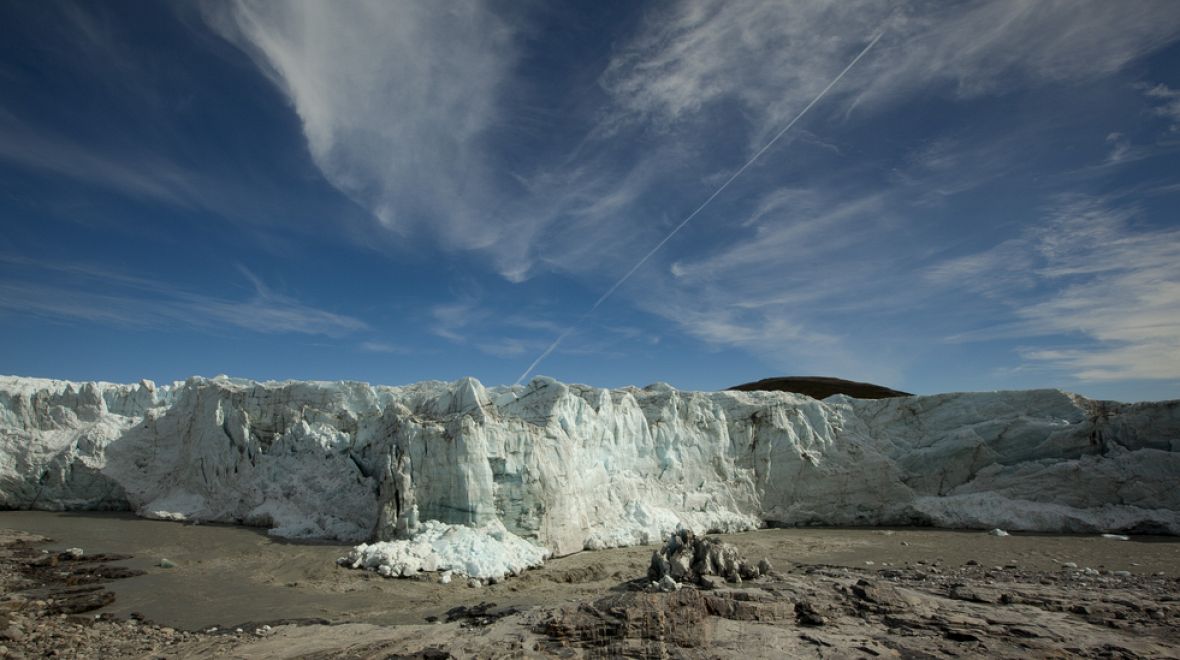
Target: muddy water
(226, 575)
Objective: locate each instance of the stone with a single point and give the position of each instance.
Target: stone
(711, 582)
(666, 583)
(806, 614)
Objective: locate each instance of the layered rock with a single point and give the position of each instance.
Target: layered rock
(571, 467)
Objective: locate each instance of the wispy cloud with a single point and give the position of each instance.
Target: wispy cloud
(1107, 288)
(451, 321)
(998, 273)
(785, 285)
(771, 57)
(784, 336)
(385, 347)
(768, 59)
(399, 102)
(1168, 103)
(933, 172)
(143, 176)
(1121, 149)
(395, 100)
(790, 227)
(988, 47)
(468, 322)
(1163, 102)
(96, 294)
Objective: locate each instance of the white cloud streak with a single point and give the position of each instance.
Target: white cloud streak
(1107, 289)
(93, 294)
(395, 99)
(770, 57)
(144, 176)
(789, 283)
(1168, 103)
(384, 347)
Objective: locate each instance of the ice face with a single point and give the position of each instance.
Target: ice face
(568, 467)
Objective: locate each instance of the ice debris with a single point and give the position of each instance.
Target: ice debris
(1116, 537)
(489, 552)
(998, 532)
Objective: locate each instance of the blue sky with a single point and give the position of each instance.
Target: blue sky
(400, 191)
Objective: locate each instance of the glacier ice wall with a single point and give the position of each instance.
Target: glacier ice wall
(572, 467)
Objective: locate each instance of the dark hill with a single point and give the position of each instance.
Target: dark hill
(820, 387)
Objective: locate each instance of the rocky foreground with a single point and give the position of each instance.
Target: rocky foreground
(927, 609)
(46, 600)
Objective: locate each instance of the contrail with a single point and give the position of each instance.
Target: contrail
(735, 175)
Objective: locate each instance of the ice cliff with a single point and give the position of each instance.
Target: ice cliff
(569, 467)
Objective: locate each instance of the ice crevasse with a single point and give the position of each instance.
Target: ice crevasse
(489, 481)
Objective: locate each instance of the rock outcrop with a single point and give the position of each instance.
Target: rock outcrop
(688, 558)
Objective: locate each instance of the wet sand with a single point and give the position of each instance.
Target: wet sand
(225, 575)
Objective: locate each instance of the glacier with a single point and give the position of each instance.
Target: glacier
(571, 467)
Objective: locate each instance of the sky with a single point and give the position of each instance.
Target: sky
(395, 191)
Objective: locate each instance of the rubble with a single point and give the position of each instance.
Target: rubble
(688, 559)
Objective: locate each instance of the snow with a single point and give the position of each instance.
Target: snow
(569, 467)
(485, 552)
